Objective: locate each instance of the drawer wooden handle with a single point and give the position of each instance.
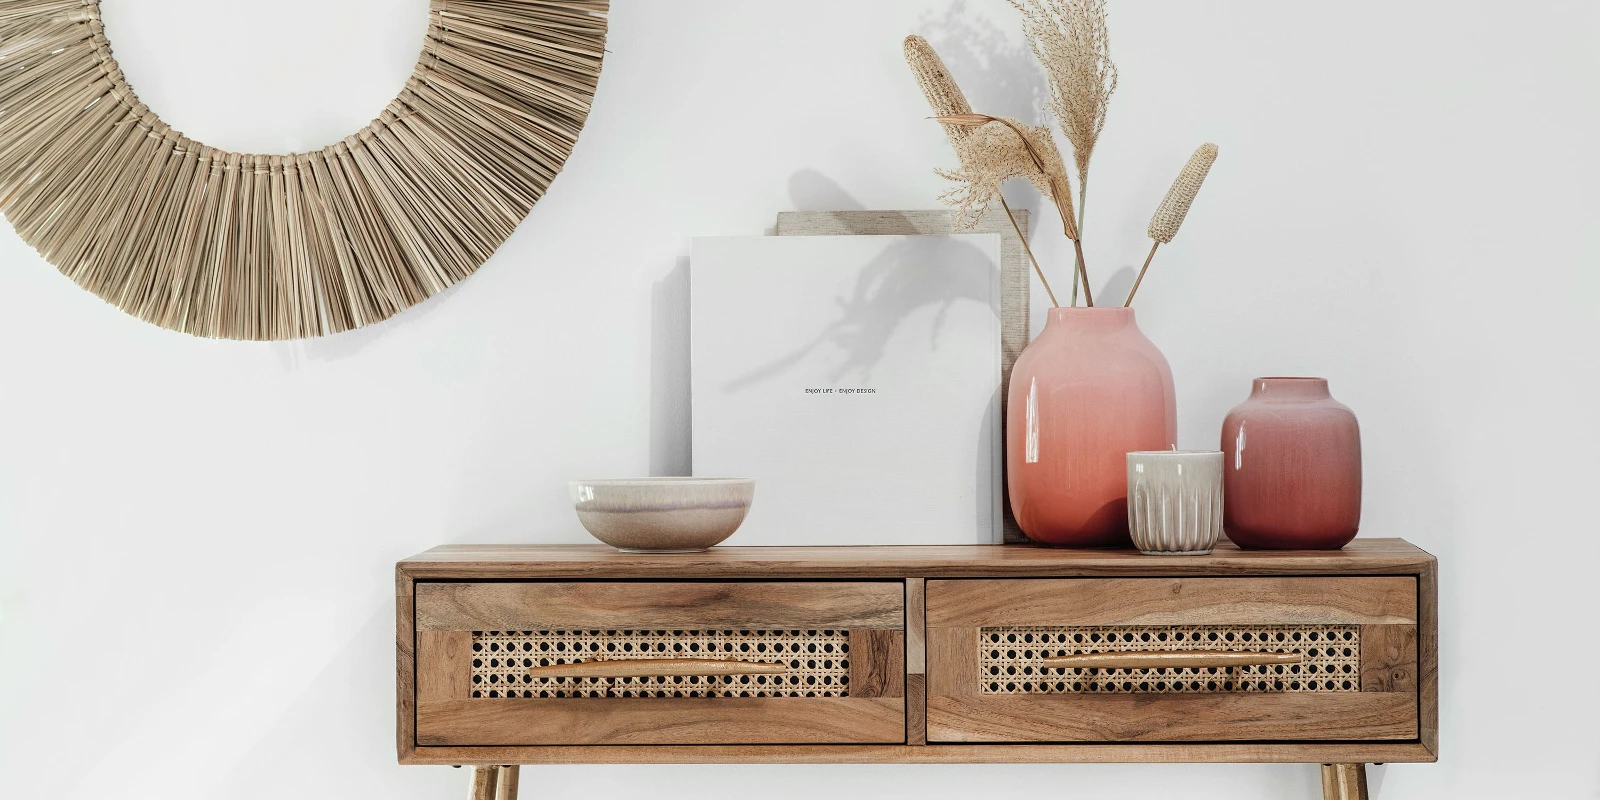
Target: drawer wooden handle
(653, 667)
(1154, 659)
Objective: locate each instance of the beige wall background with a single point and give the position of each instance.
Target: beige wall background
(197, 538)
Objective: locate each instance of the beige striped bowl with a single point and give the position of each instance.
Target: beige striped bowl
(662, 515)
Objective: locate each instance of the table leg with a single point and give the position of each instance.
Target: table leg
(1344, 782)
(508, 783)
(483, 782)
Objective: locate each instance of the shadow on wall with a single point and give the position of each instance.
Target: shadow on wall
(887, 291)
(994, 67)
(1114, 291)
(670, 418)
(671, 439)
(810, 190)
(907, 276)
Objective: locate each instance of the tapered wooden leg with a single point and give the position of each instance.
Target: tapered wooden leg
(508, 783)
(483, 782)
(1344, 782)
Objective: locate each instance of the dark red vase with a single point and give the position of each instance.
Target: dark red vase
(1291, 468)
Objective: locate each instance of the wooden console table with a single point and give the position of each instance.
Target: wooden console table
(512, 655)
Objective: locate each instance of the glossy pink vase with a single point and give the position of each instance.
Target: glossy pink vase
(1084, 394)
(1291, 476)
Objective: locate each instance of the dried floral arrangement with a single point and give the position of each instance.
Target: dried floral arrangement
(1071, 40)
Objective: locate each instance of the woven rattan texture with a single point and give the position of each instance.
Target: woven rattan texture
(818, 662)
(1009, 659)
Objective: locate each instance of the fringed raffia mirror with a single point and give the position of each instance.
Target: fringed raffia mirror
(242, 246)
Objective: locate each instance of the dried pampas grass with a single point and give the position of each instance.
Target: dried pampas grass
(1043, 164)
(1174, 207)
(1072, 42)
(985, 162)
(241, 246)
(997, 150)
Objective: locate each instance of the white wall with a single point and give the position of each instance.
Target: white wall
(197, 538)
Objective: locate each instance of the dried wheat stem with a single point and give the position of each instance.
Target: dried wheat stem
(1029, 250)
(1083, 273)
(1083, 204)
(1140, 279)
(1060, 192)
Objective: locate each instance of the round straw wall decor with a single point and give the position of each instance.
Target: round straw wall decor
(239, 246)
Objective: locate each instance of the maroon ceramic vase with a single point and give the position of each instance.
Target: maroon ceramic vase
(1291, 468)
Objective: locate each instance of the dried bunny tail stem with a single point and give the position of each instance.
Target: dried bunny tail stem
(938, 85)
(1140, 279)
(1060, 191)
(1175, 206)
(239, 246)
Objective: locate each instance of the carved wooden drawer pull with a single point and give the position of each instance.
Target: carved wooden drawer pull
(655, 667)
(1156, 659)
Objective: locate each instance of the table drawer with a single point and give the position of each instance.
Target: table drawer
(608, 663)
(1172, 659)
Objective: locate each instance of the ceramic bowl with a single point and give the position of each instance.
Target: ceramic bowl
(662, 515)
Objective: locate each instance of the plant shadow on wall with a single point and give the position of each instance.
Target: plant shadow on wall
(912, 274)
(993, 63)
(884, 287)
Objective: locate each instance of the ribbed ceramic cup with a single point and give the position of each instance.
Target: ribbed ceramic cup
(1175, 501)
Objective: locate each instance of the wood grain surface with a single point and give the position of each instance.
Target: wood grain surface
(1388, 658)
(772, 605)
(444, 665)
(1176, 752)
(1221, 716)
(1428, 653)
(405, 665)
(1173, 601)
(877, 663)
(1344, 782)
(916, 663)
(712, 732)
(661, 720)
(598, 562)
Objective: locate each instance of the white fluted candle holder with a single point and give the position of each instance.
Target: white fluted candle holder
(1175, 501)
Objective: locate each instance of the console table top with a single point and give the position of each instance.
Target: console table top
(1364, 556)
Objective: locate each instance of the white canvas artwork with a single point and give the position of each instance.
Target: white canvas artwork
(856, 378)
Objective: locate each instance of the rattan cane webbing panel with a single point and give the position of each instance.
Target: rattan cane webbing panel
(818, 661)
(1009, 658)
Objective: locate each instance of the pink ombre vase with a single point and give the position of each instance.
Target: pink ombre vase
(1291, 469)
(1087, 392)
